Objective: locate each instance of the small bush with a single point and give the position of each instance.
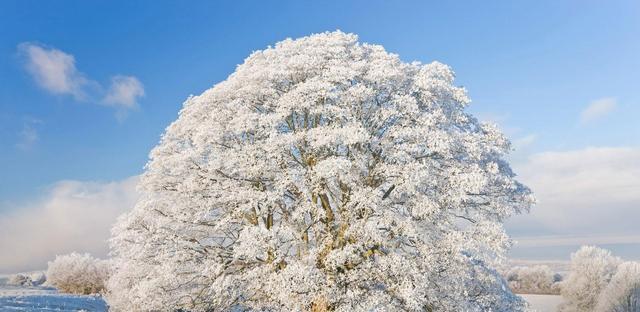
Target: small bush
(38, 278)
(78, 274)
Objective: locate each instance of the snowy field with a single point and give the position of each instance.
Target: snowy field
(42, 298)
(15, 298)
(543, 303)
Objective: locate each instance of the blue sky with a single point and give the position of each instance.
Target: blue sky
(560, 77)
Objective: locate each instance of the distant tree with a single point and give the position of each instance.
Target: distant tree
(324, 174)
(78, 274)
(19, 280)
(623, 292)
(539, 279)
(591, 270)
(33, 279)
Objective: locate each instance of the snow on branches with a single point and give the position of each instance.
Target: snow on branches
(324, 173)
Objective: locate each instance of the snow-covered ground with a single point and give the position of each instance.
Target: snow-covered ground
(543, 303)
(42, 298)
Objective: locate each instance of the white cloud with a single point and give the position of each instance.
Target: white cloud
(597, 109)
(491, 117)
(525, 140)
(593, 192)
(124, 92)
(71, 216)
(54, 70)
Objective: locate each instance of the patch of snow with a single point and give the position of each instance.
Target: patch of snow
(56, 302)
(43, 298)
(543, 303)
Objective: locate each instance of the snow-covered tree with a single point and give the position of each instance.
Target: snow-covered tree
(590, 271)
(78, 273)
(323, 174)
(623, 292)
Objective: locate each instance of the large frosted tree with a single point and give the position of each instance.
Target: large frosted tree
(323, 174)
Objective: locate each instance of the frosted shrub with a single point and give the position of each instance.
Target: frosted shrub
(622, 294)
(78, 274)
(38, 278)
(324, 173)
(590, 271)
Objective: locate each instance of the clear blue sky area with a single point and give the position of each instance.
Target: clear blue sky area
(532, 65)
(557, 76)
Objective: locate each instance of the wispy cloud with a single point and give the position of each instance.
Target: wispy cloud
(70, 216)
(124, 92)
(491, 117)
(55, 71)
(525, 141)
(28, 136)
(597, 109)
